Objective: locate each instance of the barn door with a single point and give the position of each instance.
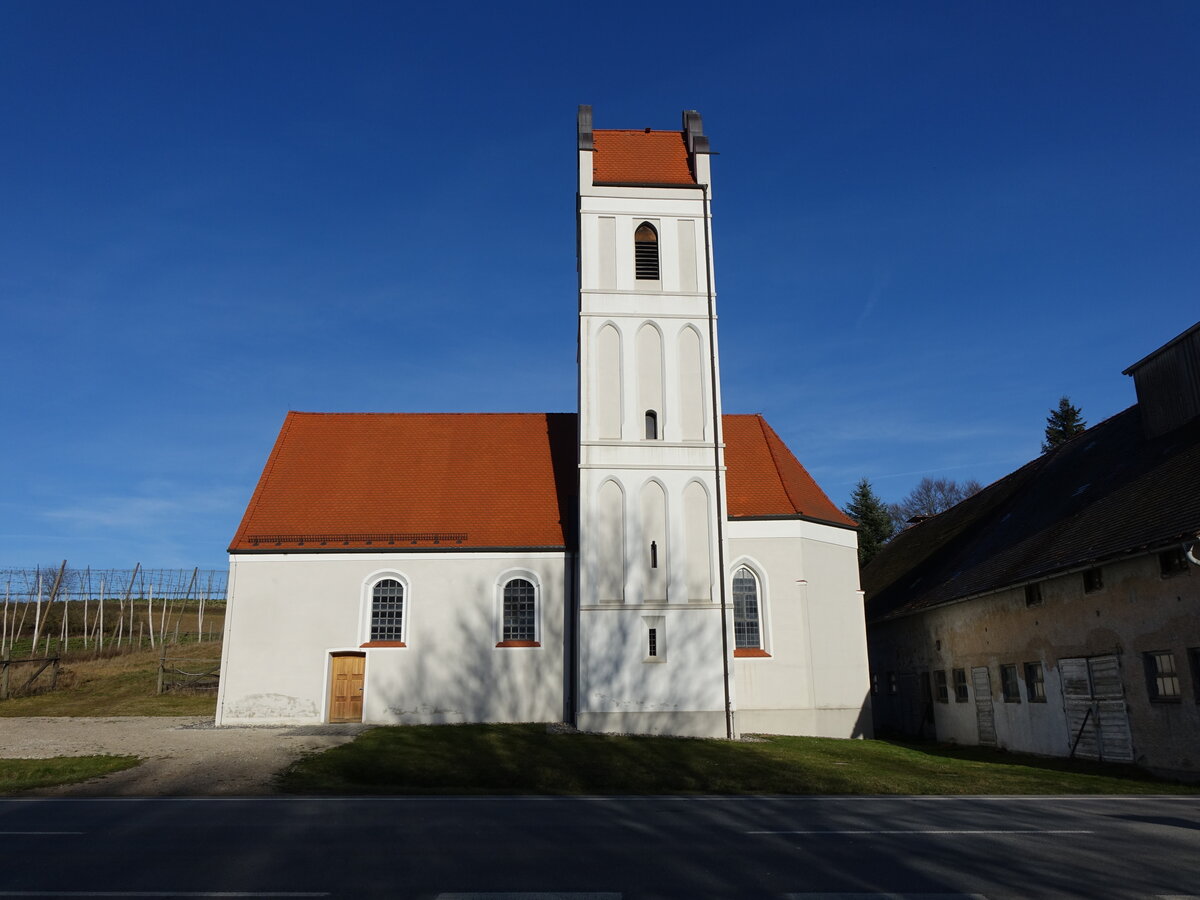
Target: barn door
(1094, 702)
(346, 687)
(984, 714)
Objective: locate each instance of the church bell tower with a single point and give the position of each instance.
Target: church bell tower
(653, 641)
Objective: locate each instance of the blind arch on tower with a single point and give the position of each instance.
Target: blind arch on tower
(649, 349)
(691, 385)
(645, 252)
(608, 383)
(608, 543)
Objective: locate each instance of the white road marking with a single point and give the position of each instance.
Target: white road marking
(938, 831)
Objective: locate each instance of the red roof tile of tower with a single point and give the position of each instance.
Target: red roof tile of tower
(396, 481)
(640, 157)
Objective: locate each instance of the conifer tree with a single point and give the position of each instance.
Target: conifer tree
(1062, 424)
(874, 523)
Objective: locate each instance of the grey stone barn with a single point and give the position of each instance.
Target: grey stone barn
(1058, 611)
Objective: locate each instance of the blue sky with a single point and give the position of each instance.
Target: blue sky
(931, 220)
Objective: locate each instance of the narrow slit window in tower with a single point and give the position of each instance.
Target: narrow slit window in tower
(651, 425)
(653, 555)
(645, 252)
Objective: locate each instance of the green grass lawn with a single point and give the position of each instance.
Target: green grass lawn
(525, 759)
(24, 774)
(122, 685)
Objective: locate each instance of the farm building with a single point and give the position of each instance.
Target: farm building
(647, 564)
(1058, 611)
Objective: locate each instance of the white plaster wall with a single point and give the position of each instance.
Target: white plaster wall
(617, 677)
(816, 680)
(288, 612)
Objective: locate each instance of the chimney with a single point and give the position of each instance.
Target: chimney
(1168, 383)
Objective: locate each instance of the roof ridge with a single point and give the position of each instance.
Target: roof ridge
(762, 426)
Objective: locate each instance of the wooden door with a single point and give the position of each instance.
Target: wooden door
(346, 687)
(1094, 701)
(985, 715)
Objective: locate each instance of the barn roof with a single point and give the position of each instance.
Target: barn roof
(409, 481)
(1106, 493)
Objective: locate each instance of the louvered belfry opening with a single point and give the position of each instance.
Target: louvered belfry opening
(645, 252)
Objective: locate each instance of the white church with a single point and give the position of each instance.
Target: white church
(648, 565)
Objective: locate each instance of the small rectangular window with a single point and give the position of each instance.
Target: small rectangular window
(940, 686)
(1035, 682)
(1009, 684)
(1162, 678)
(656, 639)
(1033, 595)
(960, 686)
(1172, 562)
(893, 683)
(874, 684)
(1093, 580)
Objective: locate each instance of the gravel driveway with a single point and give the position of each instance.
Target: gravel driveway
(183, 755)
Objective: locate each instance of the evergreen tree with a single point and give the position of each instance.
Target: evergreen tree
(874, 523)
(1062, 424)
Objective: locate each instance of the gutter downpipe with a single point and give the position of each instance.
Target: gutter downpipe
(720, 489)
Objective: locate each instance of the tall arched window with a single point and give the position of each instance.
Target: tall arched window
(747, 631)
(387, 611)
(651, 425)
(645, 252)
(520, 613)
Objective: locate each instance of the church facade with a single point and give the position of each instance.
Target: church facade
(647, 565)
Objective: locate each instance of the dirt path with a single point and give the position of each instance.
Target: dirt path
(183, 755)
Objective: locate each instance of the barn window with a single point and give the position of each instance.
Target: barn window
(960, 686)
(645, 252)
(519, 627)
(1033, 594)
(747, 632)
(1172, 562)
(1161, 675)
(941, 685)
(387, 611)
(1035, 682)
(1009, 683)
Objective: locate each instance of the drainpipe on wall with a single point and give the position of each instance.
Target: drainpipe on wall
(720, 489)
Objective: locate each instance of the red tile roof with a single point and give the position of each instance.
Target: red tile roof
(640, 157)
(406, 481)
(765, 479)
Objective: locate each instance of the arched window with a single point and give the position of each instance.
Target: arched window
(520, 613)
(747, 631)
(387, 611)
(645, 252)
(651, 425)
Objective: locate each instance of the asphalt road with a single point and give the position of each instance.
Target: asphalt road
(609, 848)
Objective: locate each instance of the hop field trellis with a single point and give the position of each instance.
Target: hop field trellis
(56, 610)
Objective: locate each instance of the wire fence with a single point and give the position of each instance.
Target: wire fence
(52, 608)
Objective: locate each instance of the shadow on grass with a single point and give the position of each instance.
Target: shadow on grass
(526, 759)
(998, 758)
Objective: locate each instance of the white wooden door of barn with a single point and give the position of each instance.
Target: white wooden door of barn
(1094, 702)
